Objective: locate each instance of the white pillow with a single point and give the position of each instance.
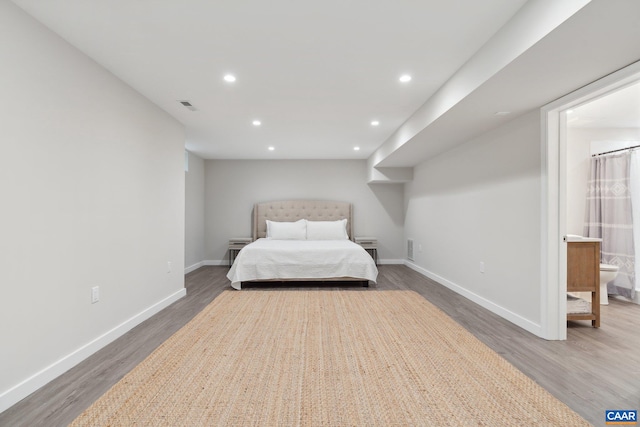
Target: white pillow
(327, 230)
(287, 230)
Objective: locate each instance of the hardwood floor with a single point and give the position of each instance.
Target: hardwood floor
(594, 370)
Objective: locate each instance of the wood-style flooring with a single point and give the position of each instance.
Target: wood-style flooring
(594, 370)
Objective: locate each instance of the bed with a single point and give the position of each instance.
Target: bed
(302, 240)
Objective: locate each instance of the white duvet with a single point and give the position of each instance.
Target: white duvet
(267, 259)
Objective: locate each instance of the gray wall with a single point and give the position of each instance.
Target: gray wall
(480, 202)
(233, 186)
(194, 213)
(92, 191)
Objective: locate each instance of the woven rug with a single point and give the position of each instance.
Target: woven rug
(325, 358)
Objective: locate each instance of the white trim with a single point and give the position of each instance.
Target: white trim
(39, 379)
(512, 317)
(216, 262)
(552, 313)
(193, 267)
(391, 262)
(553, 215)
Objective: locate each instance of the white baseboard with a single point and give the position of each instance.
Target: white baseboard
(12, 396)
(390, 262)
(512, 317)
(216, 262)
(193, 267)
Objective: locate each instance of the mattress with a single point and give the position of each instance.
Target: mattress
(267, 259)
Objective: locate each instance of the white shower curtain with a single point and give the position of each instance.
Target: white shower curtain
(609, 217)
(635, 206)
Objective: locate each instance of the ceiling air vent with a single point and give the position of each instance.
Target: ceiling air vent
(188, 105)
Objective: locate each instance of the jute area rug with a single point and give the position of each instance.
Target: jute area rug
(325, 358)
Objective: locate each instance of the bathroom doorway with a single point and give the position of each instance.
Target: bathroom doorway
(604, 134)
(561, 171)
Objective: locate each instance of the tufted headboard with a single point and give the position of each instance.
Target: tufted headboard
(293, 210)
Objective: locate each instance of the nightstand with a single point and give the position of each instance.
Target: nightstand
(235, 245)
(370, 244)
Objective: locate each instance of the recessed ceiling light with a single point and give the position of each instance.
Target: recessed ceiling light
(272, 148)
(375, 123)
(257, 122)
(229, 78)
(405, 78)
(569, 111)
(356, 148)
(502, 113)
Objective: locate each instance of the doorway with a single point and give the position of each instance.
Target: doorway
(554, 119)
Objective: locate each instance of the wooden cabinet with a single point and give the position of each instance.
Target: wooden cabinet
(583, 275)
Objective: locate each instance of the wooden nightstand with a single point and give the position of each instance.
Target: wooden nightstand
(370, 244)
(235, 245)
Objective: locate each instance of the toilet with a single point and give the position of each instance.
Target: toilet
(607, 273)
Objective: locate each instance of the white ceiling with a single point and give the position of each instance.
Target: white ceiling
(315, 73)
(599, 39)
(620, 109)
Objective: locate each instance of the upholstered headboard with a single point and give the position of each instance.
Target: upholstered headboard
(293, 210)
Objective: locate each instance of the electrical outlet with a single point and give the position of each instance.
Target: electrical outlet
(481, 267)
(169, 263)
(95, 294)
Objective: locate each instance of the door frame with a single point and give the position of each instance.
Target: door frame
(553, 120)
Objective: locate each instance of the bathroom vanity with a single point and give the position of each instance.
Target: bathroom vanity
(583, 275)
